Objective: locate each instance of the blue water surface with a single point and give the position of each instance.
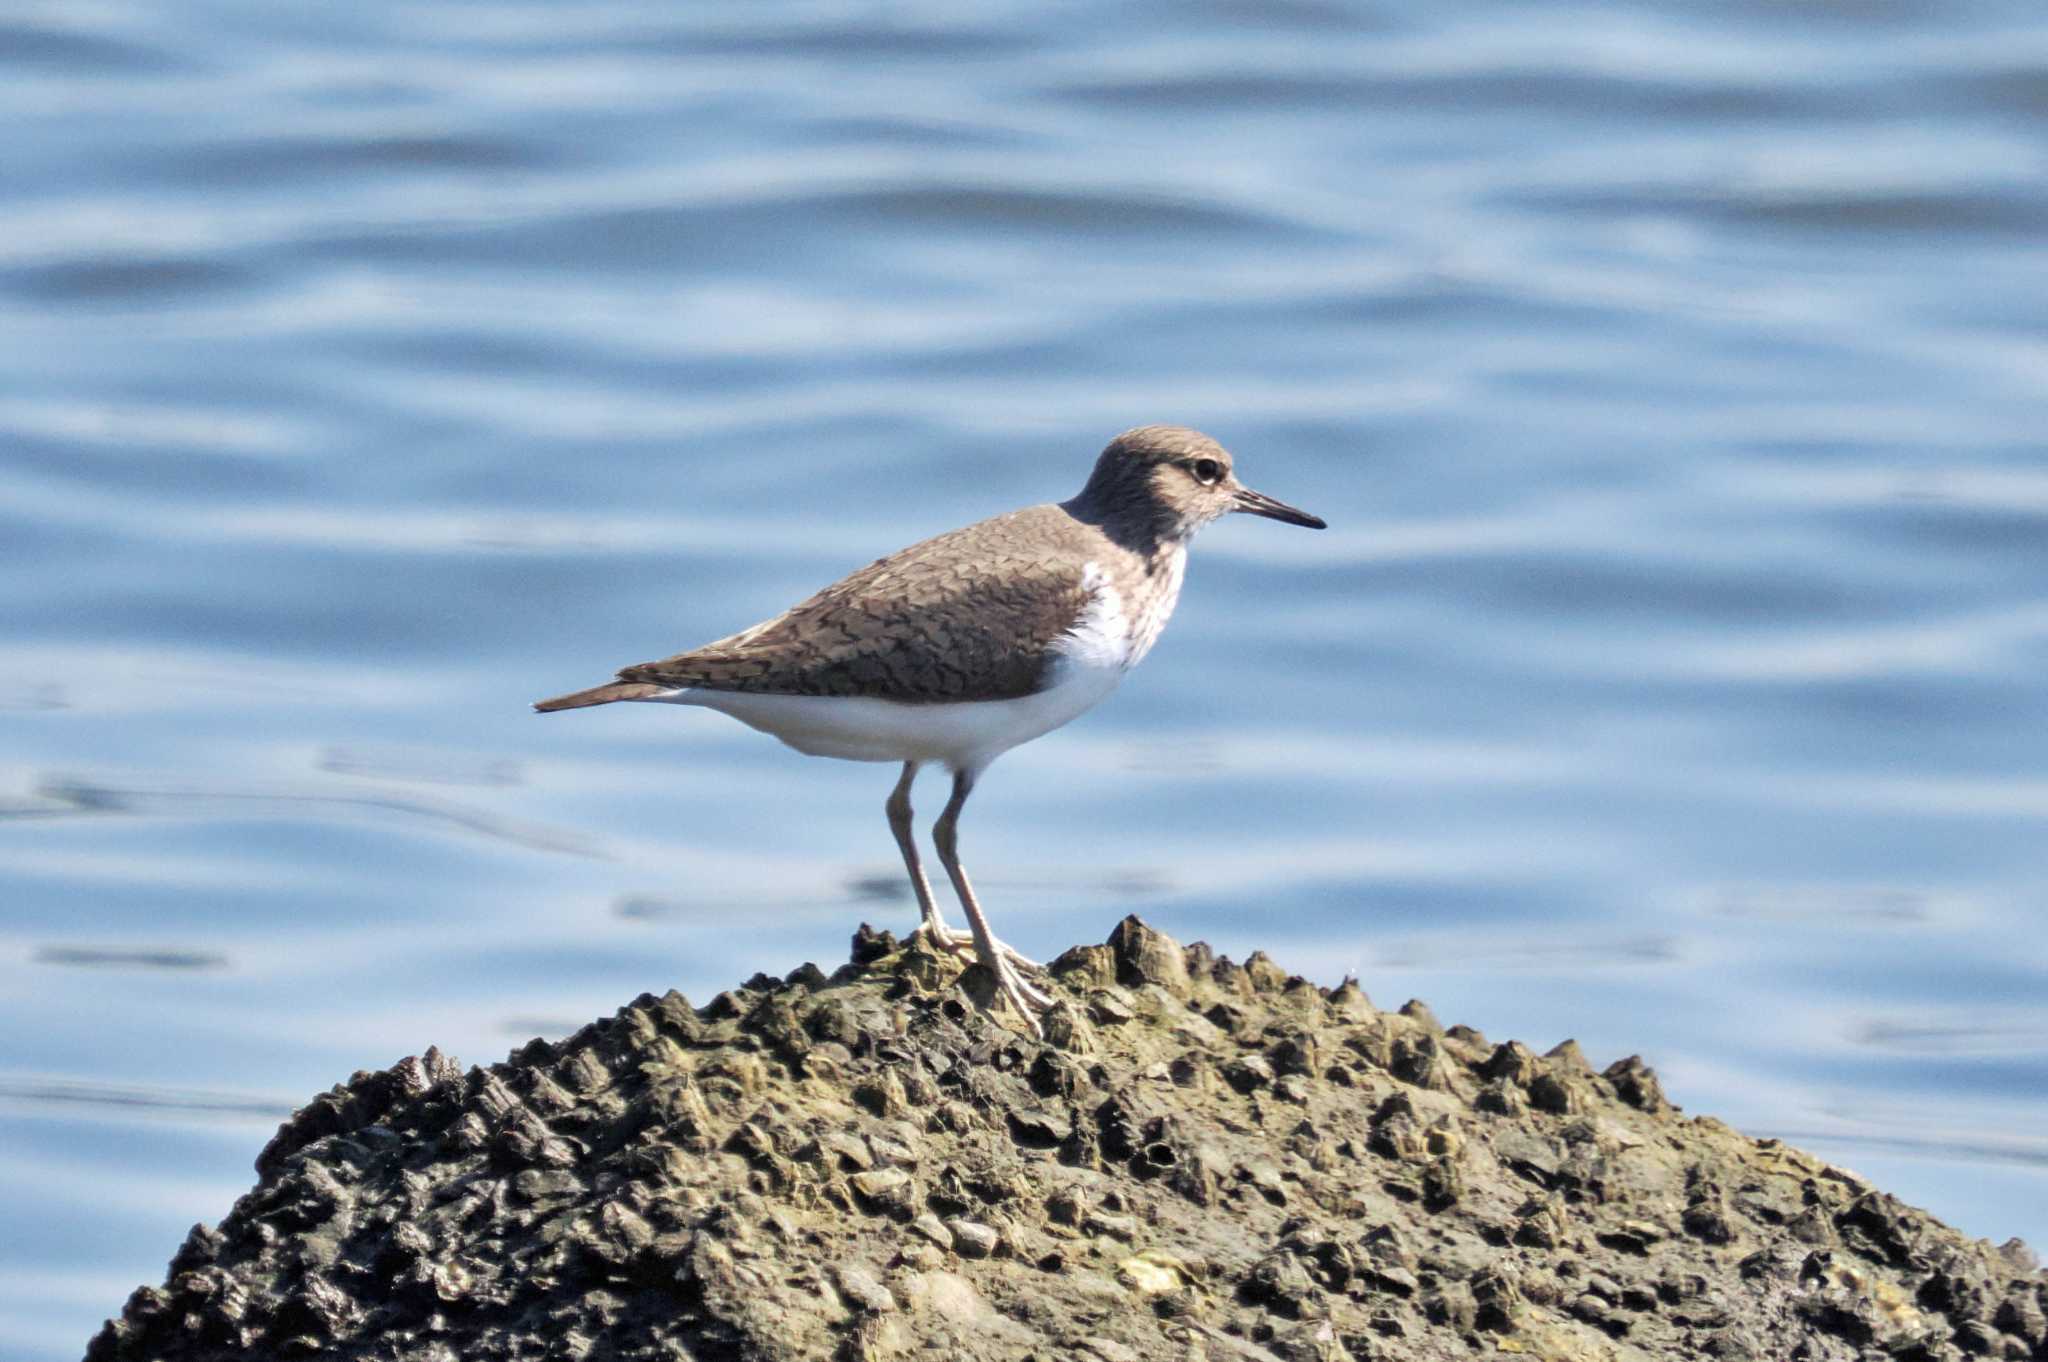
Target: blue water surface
(1671, 676)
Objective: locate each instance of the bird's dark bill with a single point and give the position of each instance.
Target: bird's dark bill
(1258, 503)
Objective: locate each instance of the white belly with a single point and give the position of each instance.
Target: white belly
(1093, 656)
(965, 735)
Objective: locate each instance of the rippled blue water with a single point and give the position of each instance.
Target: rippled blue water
(1671, 677)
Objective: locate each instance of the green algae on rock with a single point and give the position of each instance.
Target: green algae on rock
(1201, 1160)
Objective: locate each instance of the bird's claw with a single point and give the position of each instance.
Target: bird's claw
(1027, 999)
(1006, 964)
(961, 944)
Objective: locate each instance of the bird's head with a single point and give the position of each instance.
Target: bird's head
(1174, 480)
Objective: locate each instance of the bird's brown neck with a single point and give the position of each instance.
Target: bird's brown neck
(1129, 516)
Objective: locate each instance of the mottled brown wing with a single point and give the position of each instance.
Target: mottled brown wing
(970, 615)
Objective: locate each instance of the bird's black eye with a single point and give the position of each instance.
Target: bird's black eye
(1206, 471)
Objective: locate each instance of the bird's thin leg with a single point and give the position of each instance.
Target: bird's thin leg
(963, 946)
(899, 823)
(1028, 1001)
(935, 929)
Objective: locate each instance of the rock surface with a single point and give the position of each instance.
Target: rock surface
(1203, 1160)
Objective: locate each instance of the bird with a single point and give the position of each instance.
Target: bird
(963, 646)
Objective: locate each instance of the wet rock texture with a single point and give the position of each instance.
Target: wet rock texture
(1203, 1160)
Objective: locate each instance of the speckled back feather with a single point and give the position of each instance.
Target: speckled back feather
(969, 615)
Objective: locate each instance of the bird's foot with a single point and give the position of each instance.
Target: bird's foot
(961, 945)
(1028, 1000)
(1029, 997)
(1006, 964)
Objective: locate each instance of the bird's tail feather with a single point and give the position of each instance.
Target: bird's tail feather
(602, 695)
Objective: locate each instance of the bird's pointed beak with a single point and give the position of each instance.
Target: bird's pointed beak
(1258, 503)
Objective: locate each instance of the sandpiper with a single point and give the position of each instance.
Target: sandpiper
(959, 648)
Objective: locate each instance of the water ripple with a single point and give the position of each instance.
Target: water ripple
(58, 1093)
(60, 797)
(122, 957)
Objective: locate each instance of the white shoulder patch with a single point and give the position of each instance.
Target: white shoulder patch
(1101, 636)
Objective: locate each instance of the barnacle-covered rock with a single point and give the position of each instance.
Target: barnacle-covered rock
(1198, 1159)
